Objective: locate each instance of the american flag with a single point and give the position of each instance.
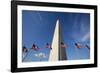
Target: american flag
(35, 47)
(24, 49)
(78, 45)
(87, 47)
(63, 45)
(48, 46)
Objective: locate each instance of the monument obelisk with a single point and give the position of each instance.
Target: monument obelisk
(57, 53)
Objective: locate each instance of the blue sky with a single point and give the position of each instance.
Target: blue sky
(38, 27)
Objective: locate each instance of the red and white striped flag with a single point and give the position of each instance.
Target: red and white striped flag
(63, 45)
(87, 47)
(24, 49)
(78, 45)
(48, 46)
(35, 47)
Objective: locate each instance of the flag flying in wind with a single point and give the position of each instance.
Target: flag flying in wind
(63, 45)
(78, 45)
(87, 47)
(48, 46)
(24, 49)
(35, 47)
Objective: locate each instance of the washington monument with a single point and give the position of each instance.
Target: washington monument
(57, 53)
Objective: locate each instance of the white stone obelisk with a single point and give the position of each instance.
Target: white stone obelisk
(57, 53)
